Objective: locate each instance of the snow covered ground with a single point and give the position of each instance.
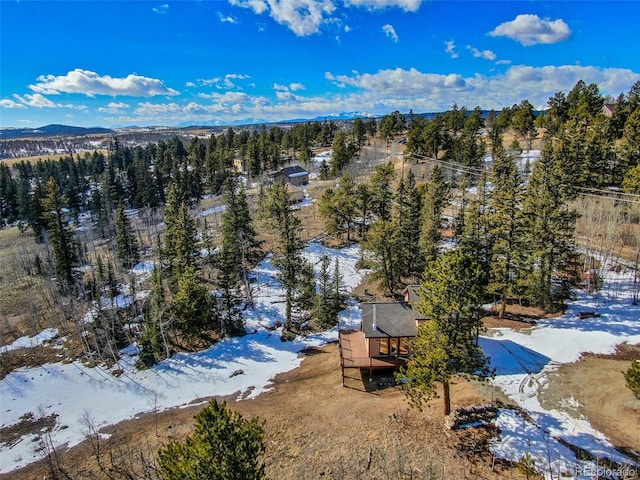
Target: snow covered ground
(73, 391)
(523, 361)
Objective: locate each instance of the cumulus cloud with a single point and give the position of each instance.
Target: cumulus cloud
(385, 91)
(486, 54)
(399, 82)
(304, 17)
(6, 103)
(91, 84)
(531, 30)
(258, 6)
(390, 32)
(406, 5)
(113, 107)
(161, 9)
(450, 48)
(36, 100)
(292, 87)
(226, 82)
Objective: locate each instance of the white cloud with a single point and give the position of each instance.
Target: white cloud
(390, 32)
(221, 83)
(258, 6)
(503, 62)
(347, 29)
(39, 101)
(531, 30)
(486, 54)
(304, 17)
(292, 87)
(385, 91)
(113, 107)
(406, 5)
(161, 9)
(91, 84)
(227, 18)
(36, 100)
(6, 103)
(400, 82)
(450, 48)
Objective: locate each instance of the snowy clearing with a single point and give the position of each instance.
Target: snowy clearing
(73, 391)
(523, 360)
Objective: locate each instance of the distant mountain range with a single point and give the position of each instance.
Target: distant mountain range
(51, 131)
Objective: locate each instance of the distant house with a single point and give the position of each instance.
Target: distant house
(608, 109)
(296, 193)
(381, 341)
(295, 175)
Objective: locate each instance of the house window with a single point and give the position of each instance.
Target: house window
(383, 344)
(404, 348)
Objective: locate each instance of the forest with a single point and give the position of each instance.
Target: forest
(518, 220)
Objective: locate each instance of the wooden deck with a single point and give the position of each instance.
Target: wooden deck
(353, 354)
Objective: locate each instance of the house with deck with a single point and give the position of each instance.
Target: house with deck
(382, 340)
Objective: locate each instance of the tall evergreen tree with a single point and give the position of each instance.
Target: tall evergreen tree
(384, 254)
(506, 226)
(550, 230)
(180, 240)
(408, 221)
(446, 345)
(291, 265)
(127, 249)
(380, 188)
(338, 207)
(194, 307)
(60, 235)
(436, 197)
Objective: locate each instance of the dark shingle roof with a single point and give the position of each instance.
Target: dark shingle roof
(392, 319)
(288, 171)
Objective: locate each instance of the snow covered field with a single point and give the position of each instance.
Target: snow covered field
(523, 361)
(73, 391)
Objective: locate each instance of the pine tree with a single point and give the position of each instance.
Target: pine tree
(338, 207)
(224, 446)
(180, 240)
(436, 196)
(381, 191)
(291, 265)
(446, 345)
(154, 341)
(632, 378)
(506, 226)
(328, 300)
(384, 254)
(194, 307)
(60, 235)
(550, 227)
(475, 237)
(126, 243)
(408, 226)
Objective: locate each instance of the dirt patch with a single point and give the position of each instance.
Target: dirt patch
(598, 390)
(29, 424)
(316, 428)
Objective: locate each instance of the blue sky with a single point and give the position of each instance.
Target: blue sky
(118, 63)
